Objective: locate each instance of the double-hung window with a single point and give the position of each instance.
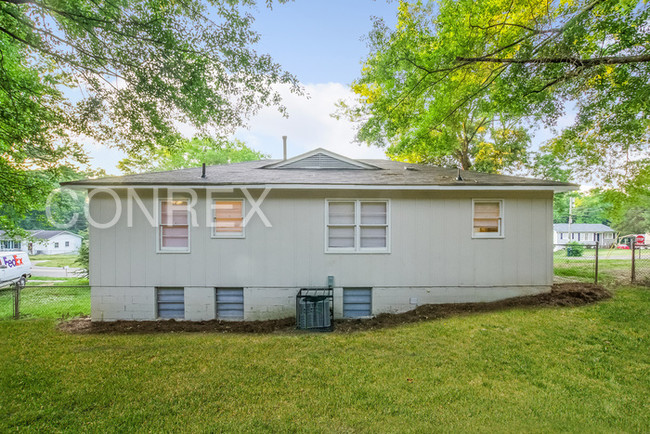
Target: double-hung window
(487, 218)
(228, 218)
(173, 226)
(357, 226)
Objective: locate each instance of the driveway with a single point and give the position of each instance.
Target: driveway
(54, 271)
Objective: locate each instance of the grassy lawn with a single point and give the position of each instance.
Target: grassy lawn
(52, 300)
(54, 260)
(614, 266)
(546, 369)
(609, 271)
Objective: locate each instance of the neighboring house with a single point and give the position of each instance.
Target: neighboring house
(45, 242)
(584, 233)
(387, 235)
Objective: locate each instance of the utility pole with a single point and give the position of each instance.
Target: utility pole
(571, 200)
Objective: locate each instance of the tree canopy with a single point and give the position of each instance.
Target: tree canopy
(191, 153)
(450, 64)
(139, 69)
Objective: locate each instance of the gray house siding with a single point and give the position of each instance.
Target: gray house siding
(433, 257)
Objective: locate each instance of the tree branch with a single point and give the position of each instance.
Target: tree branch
(530, 29)
(587, 63)
(560, 79)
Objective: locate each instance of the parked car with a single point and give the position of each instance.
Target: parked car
(15, 268)
(623, 246)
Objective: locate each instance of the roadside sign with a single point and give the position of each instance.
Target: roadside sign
(640, 239)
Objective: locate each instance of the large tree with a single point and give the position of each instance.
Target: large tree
(140, 68)
(451, 60)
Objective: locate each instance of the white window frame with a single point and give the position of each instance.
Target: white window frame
(357, 249)
(159, 247)
(489, 235)
(213, 231)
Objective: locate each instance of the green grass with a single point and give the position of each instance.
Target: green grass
(36, 279)
(55, 260)
(54, 299)
(548, 369)
(609, 271)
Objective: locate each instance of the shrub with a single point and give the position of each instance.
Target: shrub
(574, 249)
(84, 256)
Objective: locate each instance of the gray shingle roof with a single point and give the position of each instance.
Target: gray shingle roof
(390, 173)
(41, 234)
(582, 227)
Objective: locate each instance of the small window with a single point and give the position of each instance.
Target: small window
(10, 245)
(228, 219)
(357, 302)
(67, 243)
(174, 230)
(56, 245)
(357, 226)
(170, 303)
(230, 303)
(488, 218)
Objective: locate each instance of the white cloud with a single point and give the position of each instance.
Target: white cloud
(309, 125)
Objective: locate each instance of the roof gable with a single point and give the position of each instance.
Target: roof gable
(382, 174)
(321, 159)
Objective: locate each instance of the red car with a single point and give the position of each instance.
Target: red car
(623, 246)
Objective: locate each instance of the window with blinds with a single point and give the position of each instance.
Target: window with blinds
(174, 230)
(228, 218)
(357, 226)
(488, 218)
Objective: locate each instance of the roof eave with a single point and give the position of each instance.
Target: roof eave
(416, 187)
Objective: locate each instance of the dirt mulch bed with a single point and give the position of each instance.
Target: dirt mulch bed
(563, 294)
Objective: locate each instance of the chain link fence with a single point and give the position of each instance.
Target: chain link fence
(641, 272)
(571, 264)
(44, 301)
(581, 263)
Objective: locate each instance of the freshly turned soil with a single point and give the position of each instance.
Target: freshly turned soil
(563, 294)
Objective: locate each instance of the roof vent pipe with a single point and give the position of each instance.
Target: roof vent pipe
(203, 171)
(459, 178)
(284, 147)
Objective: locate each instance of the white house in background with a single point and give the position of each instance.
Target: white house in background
(45, 242)
(584, 233)
(385, 235)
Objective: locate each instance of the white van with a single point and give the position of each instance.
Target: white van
(15, 267)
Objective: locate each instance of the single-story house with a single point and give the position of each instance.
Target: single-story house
(584, 233)
(239, 241)
(46, 242)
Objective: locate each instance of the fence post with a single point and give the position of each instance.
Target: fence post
(633, 274)
(16, 301)
(596, 273)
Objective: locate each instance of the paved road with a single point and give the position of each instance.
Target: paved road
(53, 271)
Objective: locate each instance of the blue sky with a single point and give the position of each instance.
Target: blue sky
(320, 41)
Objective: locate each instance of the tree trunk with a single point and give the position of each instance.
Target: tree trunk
(465, 162)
